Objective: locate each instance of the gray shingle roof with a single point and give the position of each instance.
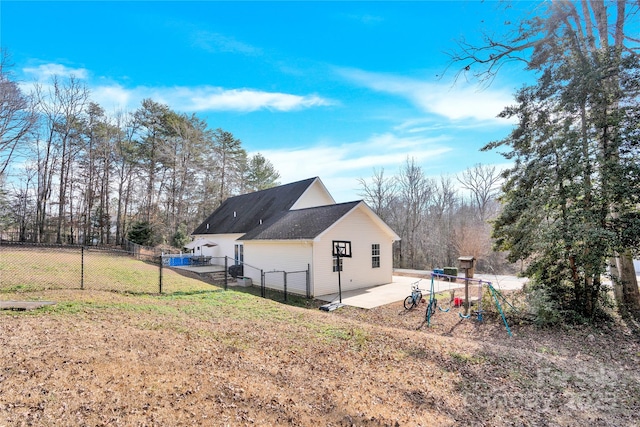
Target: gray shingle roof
(240, 214)
(300, 224)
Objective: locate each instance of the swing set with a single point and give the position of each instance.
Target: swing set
(496, 296)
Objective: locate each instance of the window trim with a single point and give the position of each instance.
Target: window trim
(334, 264)
(375, 255)
(239, 253)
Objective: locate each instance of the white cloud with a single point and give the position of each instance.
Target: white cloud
(208, 98)
(212, 98)
(436, 124)
(340, 165)
(115, 96)
(44, 72)
(455, 103)
(205, 98)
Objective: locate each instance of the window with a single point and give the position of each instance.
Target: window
(375, 255)
(239, 254)
(335, 264)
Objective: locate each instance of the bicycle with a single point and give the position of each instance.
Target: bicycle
(415, 298)
(431, 308)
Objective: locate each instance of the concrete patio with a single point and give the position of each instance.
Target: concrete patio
(400, 288)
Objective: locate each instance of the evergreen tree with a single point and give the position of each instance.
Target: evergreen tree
(577, 138)
(141, 233)
(260, 174)
(559, 194)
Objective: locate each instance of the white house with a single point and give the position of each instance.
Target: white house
(291, 228)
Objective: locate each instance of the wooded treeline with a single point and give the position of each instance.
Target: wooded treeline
(80, 175)
(571, 197)
(438, 219)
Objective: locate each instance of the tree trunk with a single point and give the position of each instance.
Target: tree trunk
(625, 285)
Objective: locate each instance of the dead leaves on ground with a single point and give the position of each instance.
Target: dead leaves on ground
(110, 366)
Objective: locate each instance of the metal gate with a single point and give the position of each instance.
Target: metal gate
(287, 282)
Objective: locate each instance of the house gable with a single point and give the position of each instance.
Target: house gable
(366, 210)
(302, 239)
(315, 195)
(363, 231)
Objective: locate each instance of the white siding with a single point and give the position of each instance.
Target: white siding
(278, 256)
(357, 271)
(225, 245)
(316, 195)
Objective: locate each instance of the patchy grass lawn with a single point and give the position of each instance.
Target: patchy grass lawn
(31, 269)
(231, 358)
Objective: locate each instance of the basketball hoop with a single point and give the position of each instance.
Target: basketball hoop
(342, 248)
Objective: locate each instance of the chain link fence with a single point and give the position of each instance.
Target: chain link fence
(28, 267)
(36, 267)
(282, 284)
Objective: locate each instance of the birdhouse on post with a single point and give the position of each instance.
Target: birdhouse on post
(468, 264)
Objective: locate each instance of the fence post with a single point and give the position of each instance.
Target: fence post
(160, 273)
(82, 267)
(226, 271)
(308, 281)
(285, 286)
(263, 291)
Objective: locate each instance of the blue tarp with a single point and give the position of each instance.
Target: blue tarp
(179, 260)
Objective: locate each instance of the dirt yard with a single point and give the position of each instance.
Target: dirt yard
(231, 358)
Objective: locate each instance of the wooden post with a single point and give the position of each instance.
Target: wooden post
(467, 263)
(467, 303)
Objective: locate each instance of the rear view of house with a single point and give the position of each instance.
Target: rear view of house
(291, 228)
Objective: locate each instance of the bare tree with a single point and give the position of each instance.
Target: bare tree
(71, 97)
(415, 192)
(124, 165)
(60, 106)
(23, 206)
(378, 193)
(439, 237)
(483, 183)
(17, 116)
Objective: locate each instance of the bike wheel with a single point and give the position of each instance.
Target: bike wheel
(409, 303)
(419, 298)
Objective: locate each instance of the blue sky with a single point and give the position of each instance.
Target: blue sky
(328, 89)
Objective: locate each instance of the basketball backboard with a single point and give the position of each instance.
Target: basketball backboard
(342, 248)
